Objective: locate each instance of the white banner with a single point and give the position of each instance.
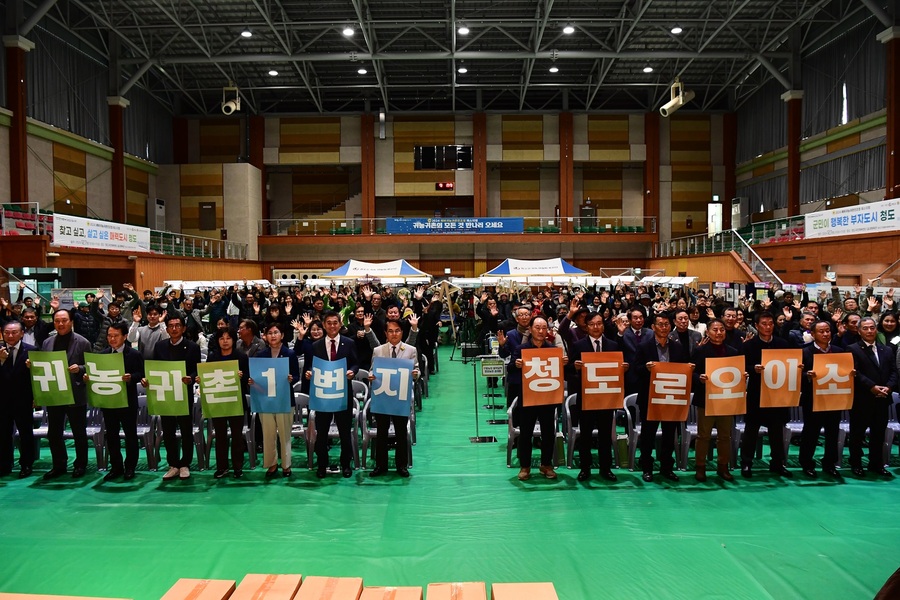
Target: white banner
(103, 235)
(863, 218)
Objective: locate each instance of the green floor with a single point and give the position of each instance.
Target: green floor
(461, 516)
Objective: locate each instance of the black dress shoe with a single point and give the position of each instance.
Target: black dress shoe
(831, 471)
(810, 472)
(377, 472)
(54, 473)
(220, 473)
(129, 475)
(401, 471)
(781, 470)
(286, 472)
(746, 472)
(111, 476)
(647, 476)
(238, 473)
(272, 473)
(858, 472)
(882, 472)
(608, 475)
(321, 472)
(670, 475)
(346, 472)
(583, 475)
(78, 472)
(25, 472)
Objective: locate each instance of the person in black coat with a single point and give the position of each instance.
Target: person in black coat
(227, 351)
(876, 377)
(16, 401)
(35, 331)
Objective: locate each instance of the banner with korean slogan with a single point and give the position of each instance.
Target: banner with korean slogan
(670, 392)
(50, 378)
(726, 386)
(602, 381)
(220, 389)
(167, 395)
(328, 385)
(833, 384)
(542, 376)
(780, 379)
(392, 389)
(270, 391)
(104, 372)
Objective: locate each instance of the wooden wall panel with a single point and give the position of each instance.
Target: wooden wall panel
(69, 180)
(520, 191)
(523, 137)
(309, 140)
(220, 140)
(692, 172)
(317, 191)
(603, 185)
(714, 267)
(410, 132)
(608, 137)
(137, 192)
(159, 269)
(201, 183)
(690, 139)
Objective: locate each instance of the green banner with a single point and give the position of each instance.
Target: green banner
(166, 393)
(50, 380)
(104, 372)
(220, 389)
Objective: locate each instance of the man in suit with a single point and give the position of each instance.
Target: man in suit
(651, 350)
(876, 377)
(509, 342)
(683, 333)
(35, 331)
(17, 401)
(393, 348)
(124, 418)
(74, 346)
(334, 346)
(802, 337)
(589, 420)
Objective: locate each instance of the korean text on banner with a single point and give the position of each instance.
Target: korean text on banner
(726, 386)
(220, 389)
(270, 391)
(102, 235)
(833, 383)
(167, 395)
(105, 388)
(328, 385)
(50, 378)
(542, 376)
(780, 379)
(392, 389)
(669, 396)
(602, 381)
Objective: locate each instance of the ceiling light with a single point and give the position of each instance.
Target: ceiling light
(462, 69)
(273, 72)
(361, 71)
(676, 29)
(648, 69)
(246, 33)
(554, 69)
(348, 31)
(568, 30)
(463, 30)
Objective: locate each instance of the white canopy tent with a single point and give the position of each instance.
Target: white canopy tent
(395, 272)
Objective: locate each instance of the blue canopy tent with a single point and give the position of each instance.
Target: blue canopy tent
(513, 268)
(395, 271)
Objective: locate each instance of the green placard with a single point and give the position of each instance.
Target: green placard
(105, 388)
(166, 393)
(220, 389)
(50, 380)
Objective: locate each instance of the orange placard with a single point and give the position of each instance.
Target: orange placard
(542, 376)
(602, 381)
(833, 384)
(780, 379)
(669, 396)
(726, 386)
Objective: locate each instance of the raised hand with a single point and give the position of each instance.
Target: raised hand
(367, 321)
(420, 292)
(414, 321)
(501, 338)
(54, 303)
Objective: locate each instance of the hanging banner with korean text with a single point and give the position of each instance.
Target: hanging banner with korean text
(50, 378)
(328, 385)
(104, 372)
(542, 376)
(780, 379)
(220, 389)
(167, 394)
(726, 386)
(602, 381)
(833, 384)
(392, 389)
(669, 396)
(270, 391)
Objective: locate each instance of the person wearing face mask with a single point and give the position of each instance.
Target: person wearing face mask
(147, 336)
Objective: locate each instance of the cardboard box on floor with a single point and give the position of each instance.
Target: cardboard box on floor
(200, 589)
(473, 590)
(267, 587)
(521, 591)
(391, 593)
(330, 588)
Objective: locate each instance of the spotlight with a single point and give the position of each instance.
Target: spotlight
(676, 30)
(568, 30)
(361, 71)
(462, 70)
(348, 31)
(648, 69)
(231, 98)
(246, 33)
(463, 30)
(679, 97)
(273, 73)
(554, 69)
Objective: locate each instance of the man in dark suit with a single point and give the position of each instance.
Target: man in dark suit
(589, 420)
(682, 333)
(631, 333)
(876, 377)
(17, 401)
(35, 331)
(334, 346)
(651, 350)
(126, 418)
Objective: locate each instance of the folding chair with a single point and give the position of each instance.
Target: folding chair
(513, 433)
(298, 428)
(370, 433)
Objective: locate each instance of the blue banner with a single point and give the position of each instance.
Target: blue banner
(392, 389)
(328, 385)
(271, 390)
(456, 225)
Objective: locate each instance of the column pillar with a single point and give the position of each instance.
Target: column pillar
(794, 100)
(180, 141)
(367, 159)
(479, 164)
(729, 158)
(566, 171)
(891, 40)
(257, 143)
(117, 106)
(651, 169)
(17, 101)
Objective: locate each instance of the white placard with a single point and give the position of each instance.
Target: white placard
(103, 235)
(851, 220)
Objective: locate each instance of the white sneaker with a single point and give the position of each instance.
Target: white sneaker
(184, 473)
(172, 473)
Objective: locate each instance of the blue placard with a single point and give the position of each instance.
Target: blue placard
(392, 389)
(271, 390)
(456, 225)
(328, 385)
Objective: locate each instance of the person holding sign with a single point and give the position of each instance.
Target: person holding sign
(18, 401)
(650, 351)
(724, 424)
(277, 425)
(393, 349)
(208, 385)
(876, 377)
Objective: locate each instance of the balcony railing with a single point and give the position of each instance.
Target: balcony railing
(766, 232)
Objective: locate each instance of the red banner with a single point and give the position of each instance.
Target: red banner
(542, 376)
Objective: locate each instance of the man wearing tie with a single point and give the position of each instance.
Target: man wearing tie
(17, 401)
(876, 376)
(334, 346)
(394, 348)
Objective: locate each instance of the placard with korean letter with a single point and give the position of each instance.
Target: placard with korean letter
(780, 379)
(392, 389)
(542, 376)
(833, 384)
(167, 395)
(271, 390)
(726, 386)
(105, 388)
(220, 389)
(669, 396)
(50, 378)
(328, 385)
(602, 381)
